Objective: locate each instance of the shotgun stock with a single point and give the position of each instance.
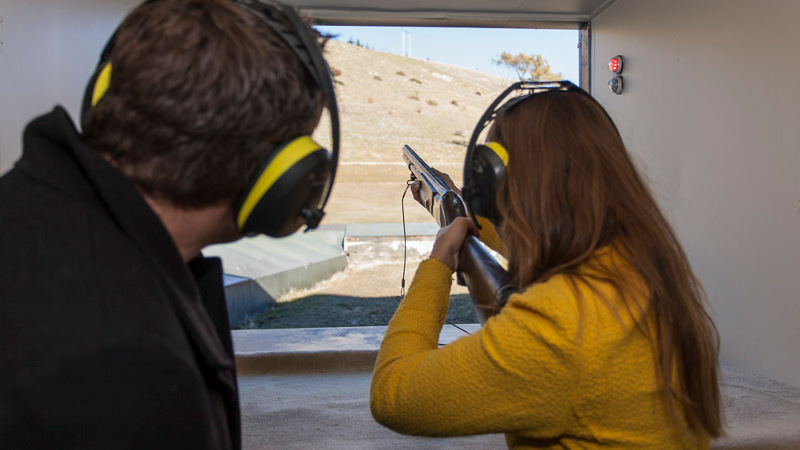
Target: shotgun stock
(487, 281)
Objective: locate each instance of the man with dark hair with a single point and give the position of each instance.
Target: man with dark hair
(114, 328)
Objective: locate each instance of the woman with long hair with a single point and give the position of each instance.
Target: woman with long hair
(606, 342)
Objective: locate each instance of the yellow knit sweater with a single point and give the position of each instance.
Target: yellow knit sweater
(550, 370)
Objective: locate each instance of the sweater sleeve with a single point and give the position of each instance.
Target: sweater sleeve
(490, 237)
(513, 374)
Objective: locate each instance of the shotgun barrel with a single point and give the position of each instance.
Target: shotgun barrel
(440, 200)
(487, 281)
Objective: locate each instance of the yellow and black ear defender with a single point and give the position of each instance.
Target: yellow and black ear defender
(285, 190)
(100, 84)
(485, 164)
(100, 80)
(292, 186)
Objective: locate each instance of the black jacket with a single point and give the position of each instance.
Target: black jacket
(107, 338)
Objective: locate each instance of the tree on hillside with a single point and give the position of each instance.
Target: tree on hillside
(531, 67)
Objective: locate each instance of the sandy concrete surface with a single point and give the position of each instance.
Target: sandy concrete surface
(326, 411)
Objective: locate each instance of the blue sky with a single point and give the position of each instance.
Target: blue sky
(473, 48)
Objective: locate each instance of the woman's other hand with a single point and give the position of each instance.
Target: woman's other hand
(415, 186)
(447, 180)
(449, 240)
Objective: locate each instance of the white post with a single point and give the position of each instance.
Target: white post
(403, 35)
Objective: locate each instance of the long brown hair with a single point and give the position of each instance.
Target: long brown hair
(570, 189)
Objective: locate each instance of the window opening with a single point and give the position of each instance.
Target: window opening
(425, 87)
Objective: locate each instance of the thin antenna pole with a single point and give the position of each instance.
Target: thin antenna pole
(405, 35)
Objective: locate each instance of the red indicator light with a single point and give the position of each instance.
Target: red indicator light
(615, 64)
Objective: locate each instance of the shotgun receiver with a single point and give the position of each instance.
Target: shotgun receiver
(487, 281)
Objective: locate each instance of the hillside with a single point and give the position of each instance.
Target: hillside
(388, 100)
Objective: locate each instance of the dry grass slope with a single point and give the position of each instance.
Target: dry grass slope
(387, 101)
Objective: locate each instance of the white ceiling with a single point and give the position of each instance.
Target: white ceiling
(506, 13)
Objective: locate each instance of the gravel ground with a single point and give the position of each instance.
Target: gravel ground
(323, 310)
(362, 295)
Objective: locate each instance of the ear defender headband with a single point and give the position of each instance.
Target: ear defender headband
(292, 187)
(100, 80)
(485, 164)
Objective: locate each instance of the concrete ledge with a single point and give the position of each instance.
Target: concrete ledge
(360, 230)
(314, 350)
(307, 363)
(244, 297)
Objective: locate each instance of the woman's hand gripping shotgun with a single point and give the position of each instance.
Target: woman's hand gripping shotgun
(487, 281)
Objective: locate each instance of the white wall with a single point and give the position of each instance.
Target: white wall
(712, 110)
(48, 49)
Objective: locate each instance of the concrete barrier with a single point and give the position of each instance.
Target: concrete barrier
(260, 269)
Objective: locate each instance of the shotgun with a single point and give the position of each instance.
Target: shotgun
(487, 281)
